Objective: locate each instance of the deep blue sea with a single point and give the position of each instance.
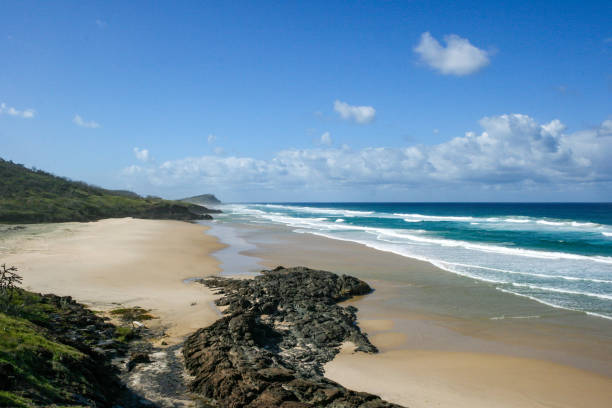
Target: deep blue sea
(557, 254)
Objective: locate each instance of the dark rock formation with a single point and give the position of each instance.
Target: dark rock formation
(278, 331)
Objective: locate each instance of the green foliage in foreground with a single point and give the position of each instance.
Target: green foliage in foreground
(31, 361)
(37, 369)
(32, 196)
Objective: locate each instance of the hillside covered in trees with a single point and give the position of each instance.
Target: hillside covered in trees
(31, 196)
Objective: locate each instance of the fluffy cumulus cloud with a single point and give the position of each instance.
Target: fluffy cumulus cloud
(359, 114)
(10, 111)
(510, 150)
(459, 57)
(141, 154)
(79, 121)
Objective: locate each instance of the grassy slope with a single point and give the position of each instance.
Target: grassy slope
(36, 368)
(28, 196)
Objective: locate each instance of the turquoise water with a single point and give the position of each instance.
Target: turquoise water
(557, 254)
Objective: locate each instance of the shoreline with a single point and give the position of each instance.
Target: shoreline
(419, 310)
(430, 325)
(466, 307)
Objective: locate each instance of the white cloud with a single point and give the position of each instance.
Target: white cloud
(511, 150)
(101, 23)
(326, 139)
(211, 138)
(79, 121)
(459, 57)
(359, 114)
(141, 154)
(8, 110)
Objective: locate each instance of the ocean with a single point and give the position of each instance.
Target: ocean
(559, 254)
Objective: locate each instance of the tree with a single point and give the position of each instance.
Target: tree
(9, 279)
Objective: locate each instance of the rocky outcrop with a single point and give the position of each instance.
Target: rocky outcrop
(278, 331)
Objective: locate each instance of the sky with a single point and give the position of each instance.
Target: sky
(313, 101)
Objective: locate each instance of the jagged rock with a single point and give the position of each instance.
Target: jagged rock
(278, 331)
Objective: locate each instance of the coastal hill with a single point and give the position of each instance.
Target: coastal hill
(33, 196)
(204, 199)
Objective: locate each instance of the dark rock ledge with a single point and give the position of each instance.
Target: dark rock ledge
(278, 331)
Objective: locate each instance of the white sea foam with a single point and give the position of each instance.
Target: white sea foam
(544, 222)
(339, 220)
(534, 274)
(319, 223)
(320, 210)
(517, 220)
(497, 222)
(567, 291)
(421, 217)
(552, 304)
(494, 248)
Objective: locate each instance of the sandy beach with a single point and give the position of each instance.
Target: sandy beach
(422, 379)
(122, 262)
(439, 345)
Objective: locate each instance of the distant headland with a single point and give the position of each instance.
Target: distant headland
(35, 196)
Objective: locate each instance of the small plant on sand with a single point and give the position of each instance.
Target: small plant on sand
(9, 281)
(129, 314)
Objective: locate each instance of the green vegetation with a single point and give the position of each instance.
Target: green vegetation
(46, 352)
(129, 314)
(32, 196)
(124, 334)
(27, 356)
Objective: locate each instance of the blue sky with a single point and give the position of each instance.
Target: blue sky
(323, 101)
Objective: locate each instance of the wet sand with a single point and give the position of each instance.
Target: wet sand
(451, 341)
(121, 262)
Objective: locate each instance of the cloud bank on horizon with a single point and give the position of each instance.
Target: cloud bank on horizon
(512, 149)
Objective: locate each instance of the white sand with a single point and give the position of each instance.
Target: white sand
(130, 262)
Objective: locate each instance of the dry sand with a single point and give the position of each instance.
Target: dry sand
(127, 262)
(420, 379)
